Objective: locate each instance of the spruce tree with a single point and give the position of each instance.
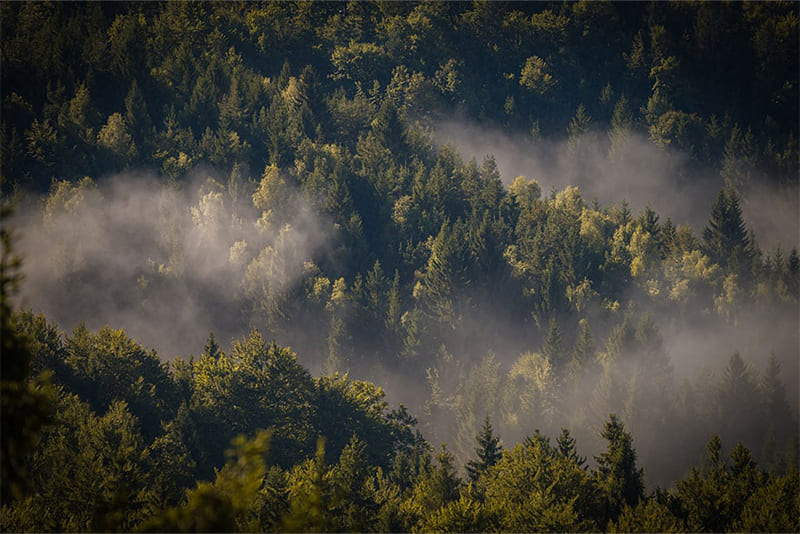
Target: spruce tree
(726, 237)
(620, 481)
(583, 351)
(488, 451)
(136, 115)
(212, 348)
(553, 346)
(566, 448)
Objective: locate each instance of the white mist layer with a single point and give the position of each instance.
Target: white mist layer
(638, 172)
(167, 264)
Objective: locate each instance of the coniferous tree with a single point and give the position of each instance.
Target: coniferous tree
(553, 349)
(566, 448)
(489, 451)
(583, 352)
(136, 115)
(375, 185)
(726, 237)
(26, 404)
(737, 414)
(211, 348)
(619, 479)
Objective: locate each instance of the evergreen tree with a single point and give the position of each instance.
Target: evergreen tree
(566, 448)
(620, 481)
(136, 115)
(438, 289)
(578, 125)
(211, 349)
(738, 414)
(726, 238)
(583, 352)
(553, 349)
(353, 489)
(26, 404)
(489, 451)
(775, 393)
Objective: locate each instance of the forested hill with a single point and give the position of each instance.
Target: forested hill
(93, 88)
(514, 219)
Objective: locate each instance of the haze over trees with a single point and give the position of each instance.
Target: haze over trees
(198, 187)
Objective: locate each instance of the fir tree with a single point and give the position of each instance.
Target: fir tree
(583, 352)
(553, 346)
(211, 348)
(619, 479)
(566, 448)
(489, 451)
(726, 238)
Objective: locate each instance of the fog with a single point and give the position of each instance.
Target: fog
(635, 170)
(170, 263)
(167, 263)
(695, 351)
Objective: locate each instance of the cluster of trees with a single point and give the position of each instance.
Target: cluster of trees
(309, 122)
(93, 88)
(550, 307)
(115, 439)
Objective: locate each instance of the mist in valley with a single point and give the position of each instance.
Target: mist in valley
(172, 262)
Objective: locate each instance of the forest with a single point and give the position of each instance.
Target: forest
(400, 266)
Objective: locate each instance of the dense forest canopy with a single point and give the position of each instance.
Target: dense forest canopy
(536, 263)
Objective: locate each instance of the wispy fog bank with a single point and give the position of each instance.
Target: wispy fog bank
(166, 263)
(637, 171)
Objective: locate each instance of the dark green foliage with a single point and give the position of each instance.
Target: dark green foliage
(726, 238)
(533, 488)
(553, 347)
(98, 472)
(211, 348)
(738, 385)
(25, 403)
(109, 366)
(383, 256)
(488, 451)
(89, 472)
(583, 351)
(620, 480)
(567, 449)
(731, 495)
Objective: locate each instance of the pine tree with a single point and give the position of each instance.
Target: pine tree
(553, 346)
(566, 448)
(583, 352)
(668, 236)
(739, 160)
(579, 125)
(393, 310)
(136, 115)
(649, 221)
(375, 290)
(726, 238)
(352, 489)
(618, 478)
(739, 416)
(621, 126)
(445, 483)
(444, 275)
(211, 348)
(310, 506)
(781, 425)
(489, 451)
(389, 129)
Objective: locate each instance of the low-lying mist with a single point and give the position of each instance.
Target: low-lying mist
(170, 263)
(167, 263)
(634, 170)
